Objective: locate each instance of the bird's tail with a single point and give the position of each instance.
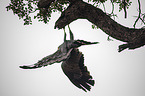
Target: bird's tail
(79, 43)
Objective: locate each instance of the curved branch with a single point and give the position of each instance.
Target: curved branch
(80, 10)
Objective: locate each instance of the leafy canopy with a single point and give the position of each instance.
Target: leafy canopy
(26, 9)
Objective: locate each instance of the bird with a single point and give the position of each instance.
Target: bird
(72, 62)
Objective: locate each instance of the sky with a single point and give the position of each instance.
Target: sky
(115, 74)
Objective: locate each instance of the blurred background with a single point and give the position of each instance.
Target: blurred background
(115, 74)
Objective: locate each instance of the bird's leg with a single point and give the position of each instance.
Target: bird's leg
(64, 35)
(71, 34)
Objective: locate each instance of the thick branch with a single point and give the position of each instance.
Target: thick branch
(80, 10)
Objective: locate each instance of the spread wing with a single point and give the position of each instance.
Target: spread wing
(60, 55)
(57, 57)
(75, 70)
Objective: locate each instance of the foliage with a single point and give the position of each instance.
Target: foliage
(26, 9)
(23, 9)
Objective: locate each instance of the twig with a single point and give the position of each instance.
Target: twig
(138, 14)
(104, 7)
(124, 7)
(112, 7)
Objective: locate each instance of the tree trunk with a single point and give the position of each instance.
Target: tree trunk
(134, 38)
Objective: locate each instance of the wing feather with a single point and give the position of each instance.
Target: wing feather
(48, 60)
(75, 70)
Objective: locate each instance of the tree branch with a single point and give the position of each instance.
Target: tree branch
(134, 38)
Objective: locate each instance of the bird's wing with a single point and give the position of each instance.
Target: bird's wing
(57, 57)
(60, 55)
(75, 70)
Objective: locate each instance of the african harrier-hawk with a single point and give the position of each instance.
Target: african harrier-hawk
(72, 62)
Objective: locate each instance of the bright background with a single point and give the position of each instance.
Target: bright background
(115, 74)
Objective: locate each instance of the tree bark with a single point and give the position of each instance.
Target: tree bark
(134, 38)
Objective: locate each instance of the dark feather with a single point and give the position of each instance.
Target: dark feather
(48, 60)
(75, 70)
